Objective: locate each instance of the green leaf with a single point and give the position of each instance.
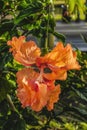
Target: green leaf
(69, 126)
(32, 9)
(54, 124)
(6, 25)
(80, 94)
(83, 126)
(81, 111)
(4, 88)
(14, 122)
(59, 36)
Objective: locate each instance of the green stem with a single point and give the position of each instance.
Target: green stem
(51, 17)
(11, 102)
(47, 40)
(12, 105)
(47, 33)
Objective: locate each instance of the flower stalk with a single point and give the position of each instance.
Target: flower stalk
(52, 20)
(47, 39)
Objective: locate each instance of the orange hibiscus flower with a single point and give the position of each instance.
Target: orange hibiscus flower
(33, 91)
(59, 60)
(24, 52)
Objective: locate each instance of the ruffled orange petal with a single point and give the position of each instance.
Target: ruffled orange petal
(67, 58)
(51, 57)
(25, 94)
(71, 61)
(53, 97)
(28, 53)
(59, 47)
(24, 52)
(60, 57)
(31, 92)
(41, 97)
(16, 44)
(59, 74)
(25, 79)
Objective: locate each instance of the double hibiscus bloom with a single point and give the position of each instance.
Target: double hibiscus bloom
(36, 81)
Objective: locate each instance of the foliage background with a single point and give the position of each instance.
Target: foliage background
(31, 18)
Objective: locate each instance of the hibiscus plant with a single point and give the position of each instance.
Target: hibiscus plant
(40, 85)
